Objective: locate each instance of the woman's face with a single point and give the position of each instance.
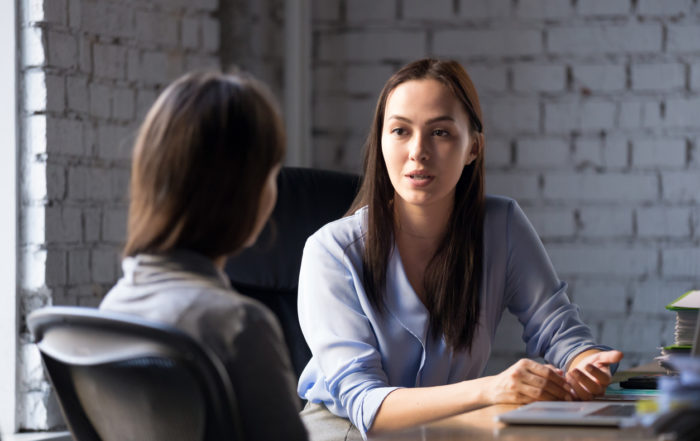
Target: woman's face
(425, 142)
(268, 198)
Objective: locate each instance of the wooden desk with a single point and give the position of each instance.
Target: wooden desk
(479, 425)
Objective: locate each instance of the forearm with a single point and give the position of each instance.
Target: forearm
(410, 407)
(580, 357)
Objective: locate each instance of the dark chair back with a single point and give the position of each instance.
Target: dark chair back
(269, 270)
(119, 377)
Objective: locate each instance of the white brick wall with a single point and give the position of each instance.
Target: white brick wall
(89, 70)
(591, 115)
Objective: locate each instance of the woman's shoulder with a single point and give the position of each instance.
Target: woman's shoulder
(498, 207)
(344, 232)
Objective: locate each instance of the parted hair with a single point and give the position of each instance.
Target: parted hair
(200, 161)
(452, 279)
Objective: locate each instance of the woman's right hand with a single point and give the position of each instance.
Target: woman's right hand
(527, 381)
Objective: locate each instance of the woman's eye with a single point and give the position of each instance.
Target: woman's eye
(398, 131)
(440, 132)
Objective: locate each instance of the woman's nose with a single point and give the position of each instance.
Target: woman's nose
(418, 150)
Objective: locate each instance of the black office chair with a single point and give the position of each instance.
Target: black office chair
(269, 271)
(118, 377)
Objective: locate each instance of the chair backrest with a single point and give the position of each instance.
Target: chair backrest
(119, 377)
(269, 270)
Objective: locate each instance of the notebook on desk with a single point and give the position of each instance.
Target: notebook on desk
(579, 413)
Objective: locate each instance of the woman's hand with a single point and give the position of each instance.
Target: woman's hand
(527, 381)
(589, 373)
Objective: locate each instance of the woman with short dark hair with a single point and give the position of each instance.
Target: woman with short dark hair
(400, 300)
(203, 184)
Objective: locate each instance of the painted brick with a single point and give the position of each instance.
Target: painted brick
(695, 221)
(663, 152)
(372, 45)
(210, 34)
(85, 55)
(665, 8)
(611, 39)
(422, 10)
(605, 222)
(123, 103)
(78, 266)
(652, 296)
(609, 152)
(35, 181)
(77, 94)
(190, 33)
(63, 225)
(681, 186)
(62, 50)
(518, 185)
(369, 10)
(155, 28)
(144, 100)
(104, 263)
(539, 78)
(55, 93)
(65, 135)
(367, 79)
(600, 296)
(609, 187)
(34, 132)
(683, 38)
(486, 43)
(599, 260)
(326, 10)
(544, 9)
(585, 115)
(32, 11)
(658, 77)
(356, 114)
(681, 262)
(695, 76)
(100, 100)
(151, 67)
(600, 77)
(508, 115)
(109, 61)
(114, 142)
(603, 7)
(488, 79)
(91, 224)
(55, 182)
(665, 222)
(35, 91)
(33, 45)
(55, 12)
(200, 62)
(552, 222)
(497, 152)
(682, 112)
(482, 9)
(114, 226)
(75, 14)
(542, 152)
(640, 114)
(648, 333)
(119, 185)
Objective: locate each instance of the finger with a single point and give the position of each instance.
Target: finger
(555, 383)
(601, 375)
(548, 372)
(555, 390)
(578, 381)
(536, 393)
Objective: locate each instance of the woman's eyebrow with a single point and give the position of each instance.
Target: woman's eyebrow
(430, 121)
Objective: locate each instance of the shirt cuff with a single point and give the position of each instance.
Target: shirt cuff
(370, 405)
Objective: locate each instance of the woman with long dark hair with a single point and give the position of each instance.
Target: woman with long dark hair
(400, 300)
(203, 184)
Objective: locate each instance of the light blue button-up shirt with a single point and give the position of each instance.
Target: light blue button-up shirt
(359, 355)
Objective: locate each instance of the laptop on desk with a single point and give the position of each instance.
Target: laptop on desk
(576, 413)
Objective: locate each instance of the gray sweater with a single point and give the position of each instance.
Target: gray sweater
(186, 290)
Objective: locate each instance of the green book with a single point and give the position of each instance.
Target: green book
(686, 309)
(689, 300)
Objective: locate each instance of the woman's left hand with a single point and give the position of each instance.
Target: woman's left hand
(589, 373)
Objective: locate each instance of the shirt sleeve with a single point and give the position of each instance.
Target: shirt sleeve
(553, 328)
(346, 361)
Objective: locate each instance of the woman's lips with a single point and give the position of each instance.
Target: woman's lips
(419, 179)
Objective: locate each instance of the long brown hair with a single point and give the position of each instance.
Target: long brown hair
(452, 279)
(200, 161)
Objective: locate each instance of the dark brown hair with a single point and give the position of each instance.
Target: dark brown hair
(200, 161)
(452, 279)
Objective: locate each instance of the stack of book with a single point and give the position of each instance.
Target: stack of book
(686, 308)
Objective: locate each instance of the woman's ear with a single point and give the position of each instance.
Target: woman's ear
(477, 143)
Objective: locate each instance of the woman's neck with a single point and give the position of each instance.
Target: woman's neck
(424, 226)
